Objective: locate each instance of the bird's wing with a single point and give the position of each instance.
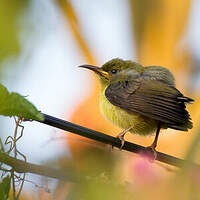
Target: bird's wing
(153, 99)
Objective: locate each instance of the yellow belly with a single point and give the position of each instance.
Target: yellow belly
(141, 125)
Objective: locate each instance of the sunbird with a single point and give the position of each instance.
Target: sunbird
(141, 99)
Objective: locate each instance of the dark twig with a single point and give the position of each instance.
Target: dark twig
(25, 167)
(68, 175)
(101, 137)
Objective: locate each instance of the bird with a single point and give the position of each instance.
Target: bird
(141, 99)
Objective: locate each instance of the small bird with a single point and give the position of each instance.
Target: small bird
(141, 100)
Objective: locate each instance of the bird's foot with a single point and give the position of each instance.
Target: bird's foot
(121, 137)
(151, 152)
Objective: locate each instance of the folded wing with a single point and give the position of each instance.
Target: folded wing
(153, 99)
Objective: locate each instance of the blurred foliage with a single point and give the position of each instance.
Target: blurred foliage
(141, 11)
(145, 180)
(69, 13)
(158, 29)
(100, 181)
(5, 188)
(98, 189)
(10, 27)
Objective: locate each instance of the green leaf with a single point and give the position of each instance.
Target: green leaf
(5, 188)
(13, 104)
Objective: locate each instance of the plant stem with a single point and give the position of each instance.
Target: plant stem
(101, 137)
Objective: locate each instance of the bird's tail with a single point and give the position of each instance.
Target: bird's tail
(185, 124)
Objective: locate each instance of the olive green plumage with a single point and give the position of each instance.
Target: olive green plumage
(141, 97)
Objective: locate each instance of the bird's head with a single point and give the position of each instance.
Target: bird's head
(114, 68)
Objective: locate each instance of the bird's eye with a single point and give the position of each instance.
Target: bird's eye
(114, 71)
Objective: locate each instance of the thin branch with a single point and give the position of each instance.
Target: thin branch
(25, 167)
(101, 137)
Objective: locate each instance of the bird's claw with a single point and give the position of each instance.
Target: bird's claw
(121, 138)
(151, 152)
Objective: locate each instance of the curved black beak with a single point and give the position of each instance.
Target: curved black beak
(97, 70)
